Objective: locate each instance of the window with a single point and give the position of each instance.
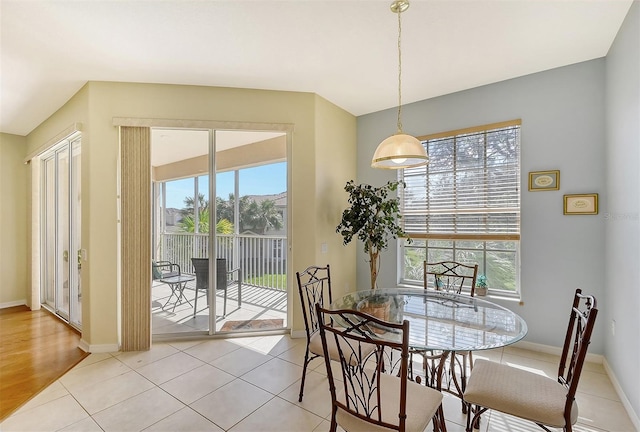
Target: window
(464, 205)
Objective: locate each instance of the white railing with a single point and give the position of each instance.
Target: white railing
(262, 258)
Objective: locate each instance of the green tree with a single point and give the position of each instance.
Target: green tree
(373, 218)
(224, 227)
(188, 222)
(263, 216)
(189, 204)
(257, 217)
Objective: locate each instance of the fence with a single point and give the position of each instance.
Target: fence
(262, 258)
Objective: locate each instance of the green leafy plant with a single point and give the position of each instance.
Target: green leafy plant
(481, 281)
(372, 217)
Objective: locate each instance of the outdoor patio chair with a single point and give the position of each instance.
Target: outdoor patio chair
(224, 279)
(164, 269)
(527, 395)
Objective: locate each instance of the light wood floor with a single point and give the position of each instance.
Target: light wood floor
(36, 348)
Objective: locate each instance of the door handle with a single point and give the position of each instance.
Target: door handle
(65, 256)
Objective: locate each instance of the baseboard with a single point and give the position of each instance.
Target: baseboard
(592, 358)
(297, 334)
(94, 349)
(547, 349)
(22, 302)
(623, 398)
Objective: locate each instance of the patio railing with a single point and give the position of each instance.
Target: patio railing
(262, 258)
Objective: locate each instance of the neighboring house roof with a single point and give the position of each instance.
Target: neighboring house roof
(279, 198)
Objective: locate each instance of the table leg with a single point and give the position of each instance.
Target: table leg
(173, 291)
(181, 287)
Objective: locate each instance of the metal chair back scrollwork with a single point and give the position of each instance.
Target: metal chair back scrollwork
(372, 391)
(314, 286)
(451, 276)
(547, 402)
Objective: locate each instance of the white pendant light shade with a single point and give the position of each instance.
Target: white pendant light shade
(399, 151)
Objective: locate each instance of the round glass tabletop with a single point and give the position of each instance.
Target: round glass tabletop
(440, 320)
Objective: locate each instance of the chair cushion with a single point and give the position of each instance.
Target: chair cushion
(422, 404)
(315, 346)
(155, 270)
(518, 392)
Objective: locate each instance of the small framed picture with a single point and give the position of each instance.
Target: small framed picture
(582, 204)
(544, 180)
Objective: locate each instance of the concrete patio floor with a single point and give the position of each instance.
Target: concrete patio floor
(258, 303)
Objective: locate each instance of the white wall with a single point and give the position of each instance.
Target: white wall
(563, 127)
(621, 301)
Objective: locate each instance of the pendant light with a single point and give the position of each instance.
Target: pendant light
(399, 150)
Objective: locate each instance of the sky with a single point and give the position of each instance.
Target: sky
(261, 180)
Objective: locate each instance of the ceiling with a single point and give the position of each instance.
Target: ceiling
(345, 51)
(171, 145)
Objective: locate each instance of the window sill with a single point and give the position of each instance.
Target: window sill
(515, 297)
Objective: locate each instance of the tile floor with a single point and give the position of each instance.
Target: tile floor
(250, 384)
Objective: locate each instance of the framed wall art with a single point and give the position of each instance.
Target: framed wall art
(581, 204)
(544, 180)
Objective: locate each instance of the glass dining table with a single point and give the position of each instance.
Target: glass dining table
(441, 322)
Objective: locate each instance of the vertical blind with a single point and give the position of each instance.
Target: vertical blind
(470, 189)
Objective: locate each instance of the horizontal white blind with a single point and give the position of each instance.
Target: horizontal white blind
(470, 189)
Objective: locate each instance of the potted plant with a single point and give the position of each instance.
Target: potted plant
(481, 285)
(372, 217)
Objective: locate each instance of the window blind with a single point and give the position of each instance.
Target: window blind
(470, 189)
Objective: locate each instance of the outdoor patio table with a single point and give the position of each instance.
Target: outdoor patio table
(177, 285)
(443, 321)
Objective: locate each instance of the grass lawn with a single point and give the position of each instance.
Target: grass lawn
(276, 281)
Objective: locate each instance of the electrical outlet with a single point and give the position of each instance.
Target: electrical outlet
(324, 248)
(613, 327)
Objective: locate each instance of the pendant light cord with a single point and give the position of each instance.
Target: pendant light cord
(399, 72)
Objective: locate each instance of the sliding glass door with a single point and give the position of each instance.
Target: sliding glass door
(60, 236)
(197, 176)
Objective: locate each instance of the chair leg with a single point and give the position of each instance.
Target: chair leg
(195, 303)
(334, 423)
(463, 378)
(304, 373)
(438, 421)
(474, 423)
(224, 307)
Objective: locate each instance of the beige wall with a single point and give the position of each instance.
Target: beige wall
(13, 220)
(103, 101)
(335, 164)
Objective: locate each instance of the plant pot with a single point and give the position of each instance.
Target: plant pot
(481, 291)
(378, 308)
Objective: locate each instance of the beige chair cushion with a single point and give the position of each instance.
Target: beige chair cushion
(315, 346)
(519, 393)
(422, 404)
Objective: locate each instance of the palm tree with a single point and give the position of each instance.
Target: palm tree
(264, 216)
(188, 223)
(257, 217)
(224, 227)
(189, 204)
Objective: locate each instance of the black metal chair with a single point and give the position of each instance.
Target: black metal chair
(454, 277)
(314, 285)
(224, 279)
(451, 276)
(373, 392)
(540, 399)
